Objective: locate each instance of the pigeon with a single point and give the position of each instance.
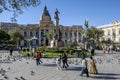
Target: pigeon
(32, 72)
(17, 78)
(27, 62)
(6, 77)
(3, 74)
(22, 78)
(119, 61)
(9, 68)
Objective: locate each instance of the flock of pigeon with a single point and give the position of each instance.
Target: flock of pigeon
(7, 59)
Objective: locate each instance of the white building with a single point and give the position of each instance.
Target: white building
(111, 32)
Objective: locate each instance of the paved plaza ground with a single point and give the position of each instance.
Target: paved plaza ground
(23, 68)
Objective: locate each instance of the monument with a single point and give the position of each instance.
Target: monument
(57, 37)
(83, 37)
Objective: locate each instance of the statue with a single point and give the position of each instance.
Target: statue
(57, 37)
(56, 14)
(60, 35)
(83, 37)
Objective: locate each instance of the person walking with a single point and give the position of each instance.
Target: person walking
(11, 51)
(58, 63)
(64, 60)
(92, 69)
(40, 55)
(84, 67)
(37, 56)
(92, 52)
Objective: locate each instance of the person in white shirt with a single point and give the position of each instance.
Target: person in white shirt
(58, 63)
(84, 67)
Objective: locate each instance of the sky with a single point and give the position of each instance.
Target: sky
(72, 12)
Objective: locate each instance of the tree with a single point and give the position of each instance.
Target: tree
(17, 5)
(16, 37)
(95, 34)
(4, 36)
(50, 34)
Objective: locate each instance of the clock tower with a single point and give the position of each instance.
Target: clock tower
(45, 18)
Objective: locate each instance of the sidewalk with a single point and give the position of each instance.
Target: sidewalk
(108, 68)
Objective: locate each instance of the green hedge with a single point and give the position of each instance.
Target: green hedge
(26, 51)
(55, 52)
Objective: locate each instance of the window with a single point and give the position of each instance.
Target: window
(25, 34)
(70, 33)
(31, 34)
(108, 32)
(37, 34)
(42, 34)
(75, 34)
(113, 33)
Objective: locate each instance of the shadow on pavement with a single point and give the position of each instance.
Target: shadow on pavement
(49, 65)
(106, 76)
(74, 69)
(109, 74)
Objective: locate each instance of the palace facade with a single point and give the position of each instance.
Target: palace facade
(70, 34)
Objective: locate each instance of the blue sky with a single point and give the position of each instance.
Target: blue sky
(72, 12)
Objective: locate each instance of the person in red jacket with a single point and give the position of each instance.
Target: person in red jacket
(37, 56)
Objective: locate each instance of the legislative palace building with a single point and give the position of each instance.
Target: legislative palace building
(69, 33)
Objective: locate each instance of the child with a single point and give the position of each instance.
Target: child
(58, 63)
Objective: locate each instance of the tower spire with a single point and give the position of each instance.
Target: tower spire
(45, 13)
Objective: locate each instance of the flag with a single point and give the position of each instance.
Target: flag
(86, 22)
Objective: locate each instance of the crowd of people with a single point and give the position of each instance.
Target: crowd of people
(62, 62)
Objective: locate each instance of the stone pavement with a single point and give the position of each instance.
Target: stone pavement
(23, 68)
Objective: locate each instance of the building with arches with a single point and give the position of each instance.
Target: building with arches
(69, 33)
